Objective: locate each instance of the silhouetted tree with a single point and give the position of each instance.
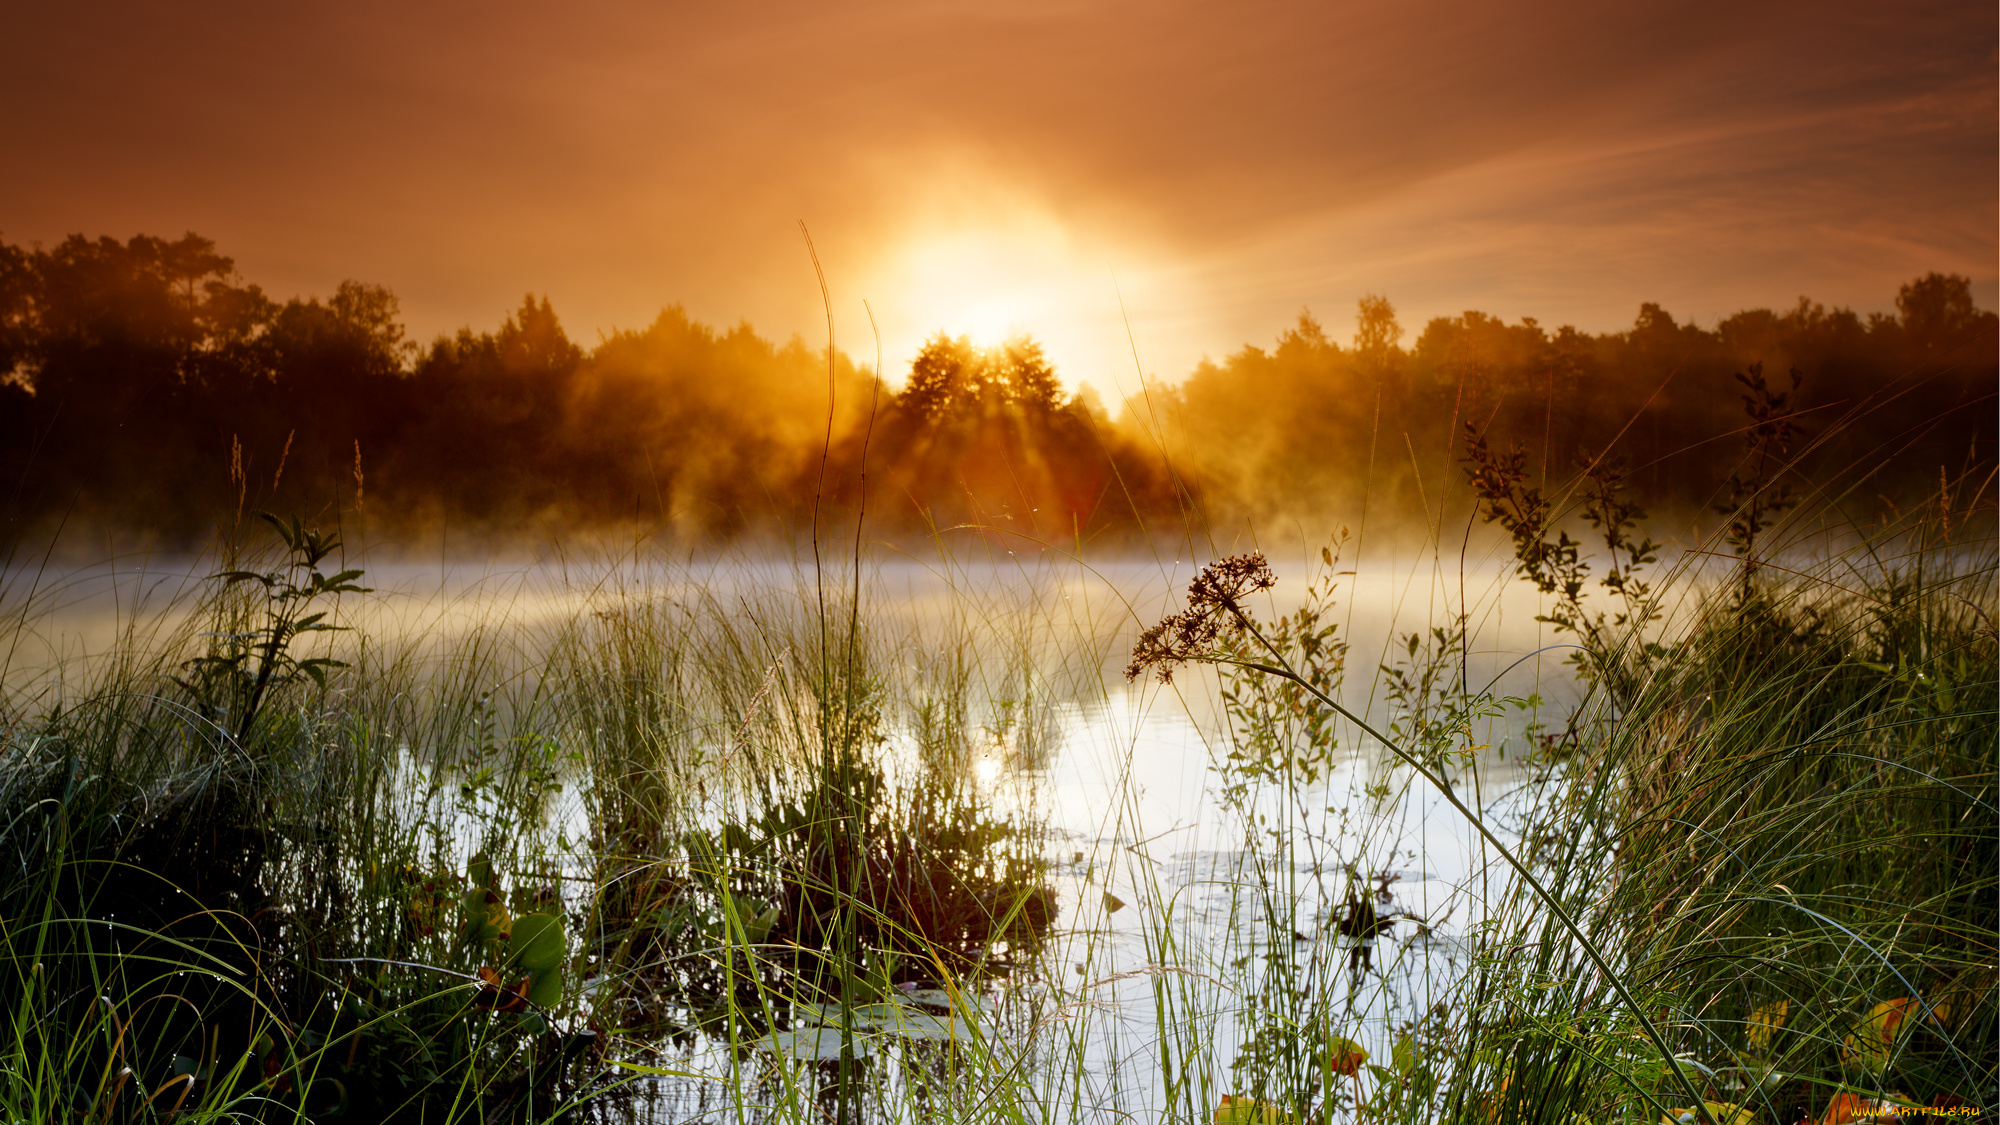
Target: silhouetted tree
(938, 376)
(1938, 313)
(982, 437)
(17, 324)
(1023, 376)
(951, 376)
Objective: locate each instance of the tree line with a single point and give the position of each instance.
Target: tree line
(145, 385)
(1875, 410)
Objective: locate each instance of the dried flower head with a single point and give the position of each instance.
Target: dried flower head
(1214, 604)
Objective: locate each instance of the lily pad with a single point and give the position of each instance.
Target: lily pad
(538, 944)
(904, 1021)
(815, 1044)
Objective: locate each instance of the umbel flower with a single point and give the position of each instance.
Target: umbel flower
(1214, 606)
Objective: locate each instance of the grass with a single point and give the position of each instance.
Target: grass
(1795, 827)
(328, 868)
(669, 853)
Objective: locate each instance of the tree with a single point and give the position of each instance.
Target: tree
(937, 376)
(17, 311)
(1376, 332)
(1024, 376)
(951, 377)
(1938, 313)
(532, 341)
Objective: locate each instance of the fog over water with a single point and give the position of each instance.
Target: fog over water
(1076, 618)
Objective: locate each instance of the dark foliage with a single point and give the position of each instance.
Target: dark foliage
(1885, 401)
(145, 385)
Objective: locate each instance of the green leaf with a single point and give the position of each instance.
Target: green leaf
(757, 929)
(661, 1071)
(1404, 1055)
(285, 531)
(327, 1097)
(538, 943)
(482, 917)
(545, 986)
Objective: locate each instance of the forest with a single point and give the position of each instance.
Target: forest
(149, 387)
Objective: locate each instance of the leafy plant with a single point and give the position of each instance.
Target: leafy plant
(1217, 629)
(1282, 734)
(233, 680)
(1433, 712)
(1558, 566)
(1755, 498)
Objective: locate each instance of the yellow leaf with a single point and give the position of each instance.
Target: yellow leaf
(1874, 1041)
(1725, 1113)
(1764, 1022)
(1237, 1110)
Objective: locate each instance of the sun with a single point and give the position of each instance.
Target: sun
(989, 277)
(981, 282)
(975, 258)
(987, 323)
(988, 767)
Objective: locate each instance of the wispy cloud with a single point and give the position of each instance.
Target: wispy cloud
(1226, 163)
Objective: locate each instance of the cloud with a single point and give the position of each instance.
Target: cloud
(1226, 163)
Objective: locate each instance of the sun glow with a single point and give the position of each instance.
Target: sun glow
(986, 769)
(990, 282)
(988, 265)
(987, 324)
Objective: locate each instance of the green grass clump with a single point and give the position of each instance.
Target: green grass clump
(268, 869)
(1802, 831)
(1784, 831)
(1752, 879)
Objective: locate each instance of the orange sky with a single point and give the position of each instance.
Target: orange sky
(977, 166)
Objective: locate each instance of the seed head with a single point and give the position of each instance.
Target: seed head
(1214, 605)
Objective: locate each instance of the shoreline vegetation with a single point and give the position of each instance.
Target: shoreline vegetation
(701, 850)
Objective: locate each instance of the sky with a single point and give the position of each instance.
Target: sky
(1139, 185)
